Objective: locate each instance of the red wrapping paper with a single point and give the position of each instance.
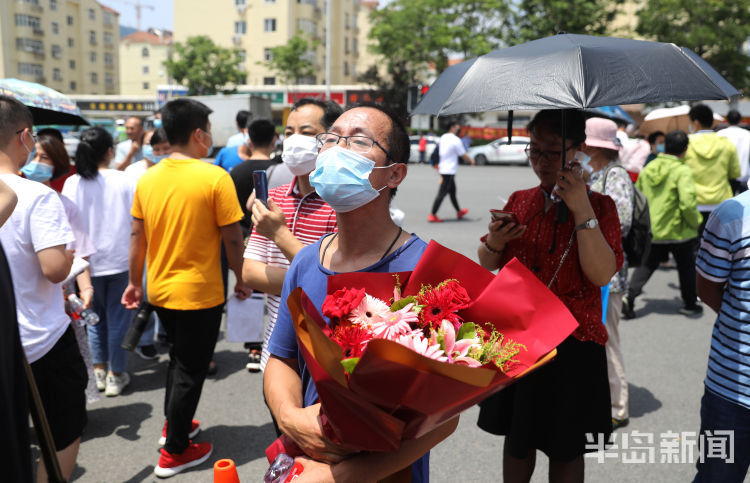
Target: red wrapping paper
(395, 394)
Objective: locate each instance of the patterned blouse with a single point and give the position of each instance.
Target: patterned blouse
(620, 189)
(542, 245)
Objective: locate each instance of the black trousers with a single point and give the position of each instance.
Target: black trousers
(684, 255)
(702, 226)
(447, 187)
(192, 334)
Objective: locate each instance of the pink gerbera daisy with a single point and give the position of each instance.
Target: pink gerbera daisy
(394, 324)
(369, 311)
(421, 345)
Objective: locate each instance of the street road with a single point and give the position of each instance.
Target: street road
(665, 357)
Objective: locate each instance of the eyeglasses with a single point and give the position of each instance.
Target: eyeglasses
(357, 143)
(33, 136)
(538, 153)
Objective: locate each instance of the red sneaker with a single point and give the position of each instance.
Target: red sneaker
(434, 219)
(462, 213)
(195, 428)
(172, 463)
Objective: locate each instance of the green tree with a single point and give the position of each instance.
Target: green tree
(205, 68)
(290, 61)
(535, 19)
(413, 35)
(714, 29)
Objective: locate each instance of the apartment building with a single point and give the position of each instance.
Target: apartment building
(256, 26)
(142, 57)
(366, 58)
(68, 45)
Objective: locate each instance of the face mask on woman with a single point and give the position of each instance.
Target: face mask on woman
(300, 153)
(342, 179)
(36, 171)
(660, 148)
(148, 152)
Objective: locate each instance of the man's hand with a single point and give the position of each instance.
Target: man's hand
(268, 222)
(135, 145)
(242, 291)
(132, 296)
(303, 425)
(314, 471)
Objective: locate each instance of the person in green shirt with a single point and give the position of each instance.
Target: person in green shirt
(713, 159)
(667, 182)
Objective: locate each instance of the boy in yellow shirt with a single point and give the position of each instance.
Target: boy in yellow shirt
(182, 209)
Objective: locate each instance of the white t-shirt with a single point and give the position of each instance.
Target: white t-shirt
(137, 169)
(236, 139)
(37, 223)
(121, 153)
(82, 245)
(741, 140)
(104, 203)
(451, 147)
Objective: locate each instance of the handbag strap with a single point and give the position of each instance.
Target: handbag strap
(564, 256)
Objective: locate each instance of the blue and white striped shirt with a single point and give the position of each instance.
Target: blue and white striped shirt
(724, 256)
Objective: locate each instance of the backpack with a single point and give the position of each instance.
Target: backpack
(638, 241)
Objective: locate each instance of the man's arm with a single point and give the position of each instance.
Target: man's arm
(133, 294)
(468, 159)
(134, 147)
(55, 263)
(377, 465)
(8, 200)
(259, 276)
(282, 386)
(234, 246)
(711, 293)
(687, 198)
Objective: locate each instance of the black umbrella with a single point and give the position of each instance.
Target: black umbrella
(569, 71)
(574, 71)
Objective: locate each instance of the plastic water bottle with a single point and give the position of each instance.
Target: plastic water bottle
(86, 315)
(282, 470)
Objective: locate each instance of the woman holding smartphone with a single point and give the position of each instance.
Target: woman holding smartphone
(554, 409)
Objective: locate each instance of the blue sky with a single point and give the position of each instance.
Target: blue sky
(160, 17)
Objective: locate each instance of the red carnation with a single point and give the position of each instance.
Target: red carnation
(352, 339)
(442, 303)
(340, 303)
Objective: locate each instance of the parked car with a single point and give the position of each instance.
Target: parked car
(414, 151)
(499, 151)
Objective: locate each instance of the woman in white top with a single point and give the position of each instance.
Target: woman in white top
(50, 162)
(104, 197)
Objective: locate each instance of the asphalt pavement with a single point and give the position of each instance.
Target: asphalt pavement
(665, 360)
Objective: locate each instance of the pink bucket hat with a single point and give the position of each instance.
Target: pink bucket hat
(602, 133)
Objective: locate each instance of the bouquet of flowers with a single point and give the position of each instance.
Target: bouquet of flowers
(405, 352)
(428, 323)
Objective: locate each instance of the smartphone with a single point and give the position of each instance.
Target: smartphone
(506, 216)
(260, 181)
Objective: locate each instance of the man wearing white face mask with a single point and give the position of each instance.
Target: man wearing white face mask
(361, 163)
(296, 216)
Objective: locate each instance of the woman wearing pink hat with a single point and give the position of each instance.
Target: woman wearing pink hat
(609, 177)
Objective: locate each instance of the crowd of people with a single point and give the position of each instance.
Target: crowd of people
(149, 223)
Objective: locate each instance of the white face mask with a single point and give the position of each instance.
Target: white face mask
(299, 153)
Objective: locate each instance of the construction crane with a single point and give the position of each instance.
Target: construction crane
(138, 6)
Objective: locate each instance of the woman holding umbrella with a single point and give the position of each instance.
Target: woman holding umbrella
(555, 408)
